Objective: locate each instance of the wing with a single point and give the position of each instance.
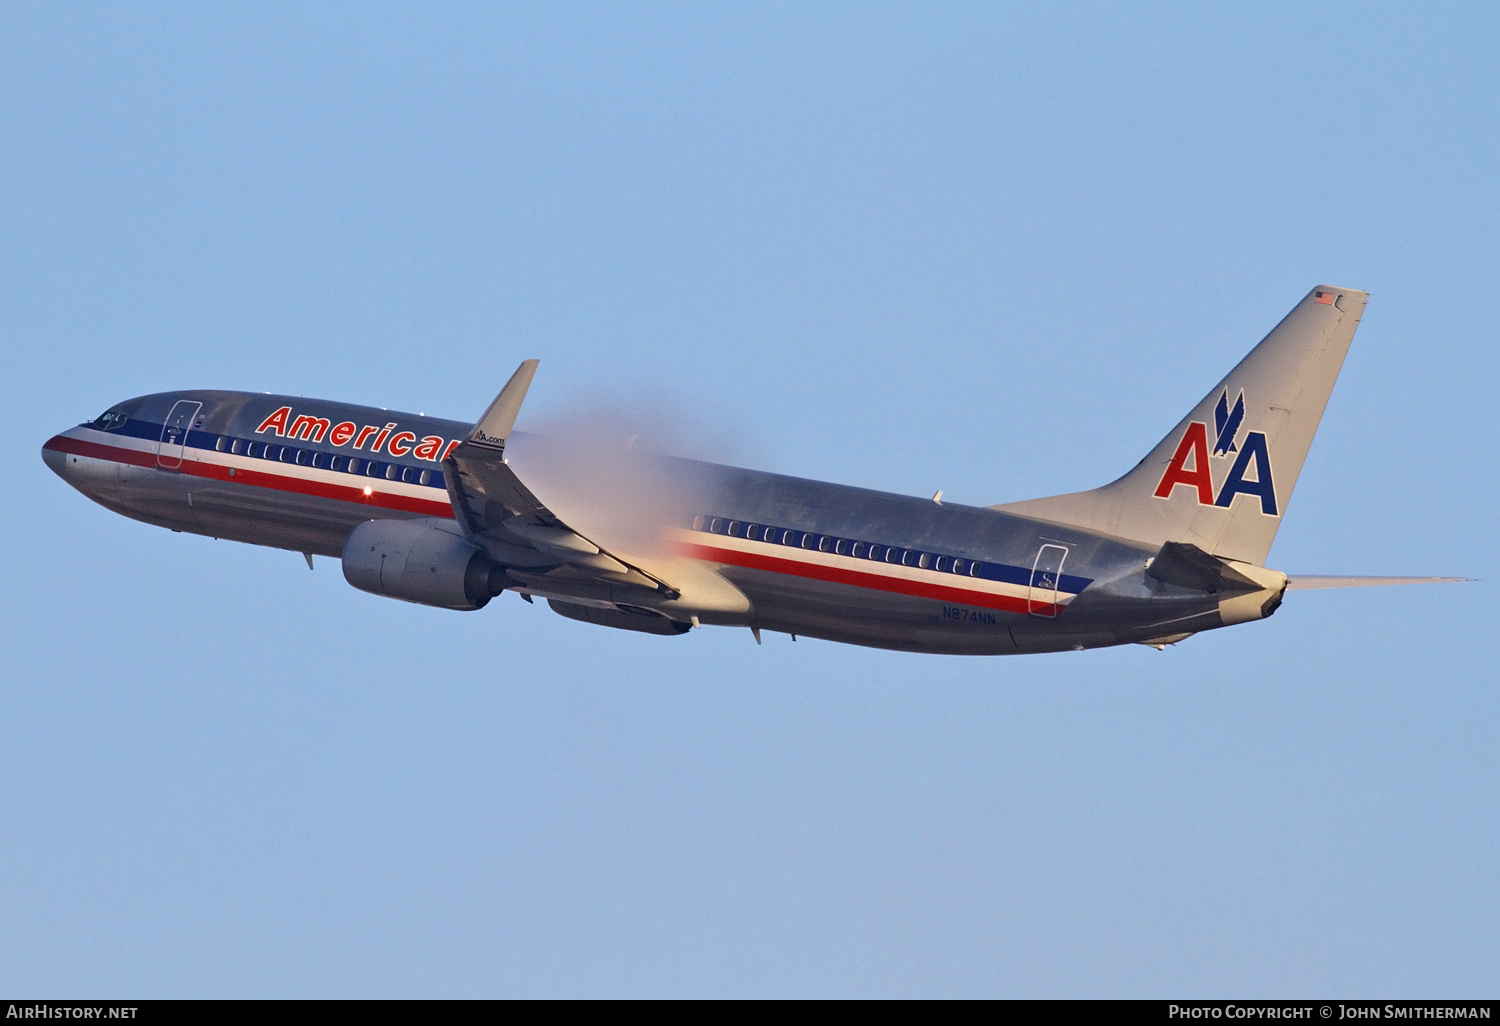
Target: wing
(497, 510)
(1305, 582)
(544, 554)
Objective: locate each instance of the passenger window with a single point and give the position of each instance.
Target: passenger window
(753, 532)
(825, 543)
(424, 477)
(842, 548)
(698, 523)
(289, 454)
(336, 463)
(789, 538)
(958, 565)
(809, 541)
(925, 560)
(221, 443)
(272, 451)
(392, 472)
(354, 464)
(236, 446)
(857, 550)
(320, 460)
(716, 526)
(734, 529)
(304, 458)
(410, 475)
(893, 554)
(373, 469)
(975, 568)
(252, 448)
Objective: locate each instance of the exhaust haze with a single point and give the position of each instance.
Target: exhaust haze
(605, 467)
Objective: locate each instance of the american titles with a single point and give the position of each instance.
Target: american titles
(400, 444)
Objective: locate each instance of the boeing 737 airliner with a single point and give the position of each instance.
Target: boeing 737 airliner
(449, 514)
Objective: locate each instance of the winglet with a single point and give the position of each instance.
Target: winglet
(494, 427)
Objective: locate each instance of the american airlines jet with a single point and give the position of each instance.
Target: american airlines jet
(448, 513)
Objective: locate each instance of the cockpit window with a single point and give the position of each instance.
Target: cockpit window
(108, 421)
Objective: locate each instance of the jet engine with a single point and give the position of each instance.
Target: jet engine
(424, 561)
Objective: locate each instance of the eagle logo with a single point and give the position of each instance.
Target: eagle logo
(1227, 422)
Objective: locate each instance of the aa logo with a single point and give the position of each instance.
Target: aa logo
(1250, 474)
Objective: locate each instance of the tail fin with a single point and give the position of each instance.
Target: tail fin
(1222, 478)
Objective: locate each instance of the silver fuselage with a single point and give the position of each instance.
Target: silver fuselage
(815, 559)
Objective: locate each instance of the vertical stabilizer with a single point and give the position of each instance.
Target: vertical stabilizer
(1222, 478)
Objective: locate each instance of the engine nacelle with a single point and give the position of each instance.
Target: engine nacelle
(424, 561)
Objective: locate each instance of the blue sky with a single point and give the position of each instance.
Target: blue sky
(993, 250)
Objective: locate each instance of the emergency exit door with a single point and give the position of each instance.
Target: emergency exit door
(1046, 571)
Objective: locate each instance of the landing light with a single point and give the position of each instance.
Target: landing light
(369, 491)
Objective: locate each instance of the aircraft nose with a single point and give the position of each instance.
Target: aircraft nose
(70, 458)
(55, 458)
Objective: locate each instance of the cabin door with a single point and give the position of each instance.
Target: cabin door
(174, 434)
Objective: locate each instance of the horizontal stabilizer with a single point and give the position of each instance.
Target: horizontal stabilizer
(1305, 582)
(1245, 591)
(1188, 566)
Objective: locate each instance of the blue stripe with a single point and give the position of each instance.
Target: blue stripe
(958, 566)
(209, 442)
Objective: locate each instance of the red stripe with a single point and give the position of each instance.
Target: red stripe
(733, 557)
(78, 447)
(861, 579)
(256, 478)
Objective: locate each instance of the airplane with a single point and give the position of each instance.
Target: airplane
(450, 514)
